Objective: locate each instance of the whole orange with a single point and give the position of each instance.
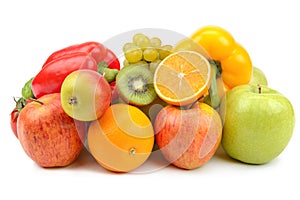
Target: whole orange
(122, 139)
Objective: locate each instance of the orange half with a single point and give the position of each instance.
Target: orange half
(182, 78)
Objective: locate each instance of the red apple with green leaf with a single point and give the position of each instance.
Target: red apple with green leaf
(47, 134)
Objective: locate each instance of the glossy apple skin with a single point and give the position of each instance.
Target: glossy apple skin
(188, 138)
(47, 134)
(92, 92)
(257, 126)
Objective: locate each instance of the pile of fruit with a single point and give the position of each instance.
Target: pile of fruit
(183, 100)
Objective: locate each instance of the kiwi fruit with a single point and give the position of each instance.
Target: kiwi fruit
(135, 85)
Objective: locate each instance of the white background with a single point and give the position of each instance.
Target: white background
(31, 30)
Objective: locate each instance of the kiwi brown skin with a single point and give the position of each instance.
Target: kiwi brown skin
(135, 85)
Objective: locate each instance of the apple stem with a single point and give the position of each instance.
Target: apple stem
(72, 100)
(36, 100)
(259, 88)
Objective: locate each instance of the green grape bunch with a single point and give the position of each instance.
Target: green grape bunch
(145, 51)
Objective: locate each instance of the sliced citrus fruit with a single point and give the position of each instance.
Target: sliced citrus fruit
(122, 139)
(182, 78)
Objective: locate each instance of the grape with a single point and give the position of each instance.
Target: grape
(150, 54)
(125, 63)
(137, 37)
(142, 50)
(164, 51)
(154, 65)
(142, 63)
(155, 42)
(133, 54)
(141, 40)
(128, 46)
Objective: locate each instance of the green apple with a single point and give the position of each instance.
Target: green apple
(85, 95)
(258, 123)
(258, 77)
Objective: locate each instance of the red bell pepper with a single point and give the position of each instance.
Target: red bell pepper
(53, 73)
(98, 51)
(111, 60)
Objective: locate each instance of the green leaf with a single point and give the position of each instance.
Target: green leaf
(27, 90)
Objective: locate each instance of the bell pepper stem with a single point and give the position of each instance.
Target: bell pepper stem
(110, 74)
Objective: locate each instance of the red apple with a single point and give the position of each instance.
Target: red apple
(85, 95)
(47, 134)
(188, 138)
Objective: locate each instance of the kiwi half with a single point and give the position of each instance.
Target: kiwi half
(135, 85)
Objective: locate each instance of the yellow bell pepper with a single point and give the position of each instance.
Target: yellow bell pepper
(220, 45)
